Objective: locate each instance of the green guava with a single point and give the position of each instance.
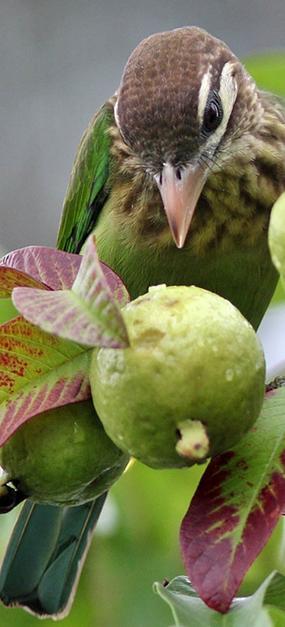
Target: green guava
(63, 456)
(190, 384)
(276, 235)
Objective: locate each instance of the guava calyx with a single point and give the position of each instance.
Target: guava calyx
(193, 440)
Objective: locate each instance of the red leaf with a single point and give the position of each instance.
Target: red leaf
(236, 507)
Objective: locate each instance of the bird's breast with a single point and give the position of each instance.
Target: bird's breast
(226, 251)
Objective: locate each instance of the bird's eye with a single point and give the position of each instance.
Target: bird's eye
(212, 115)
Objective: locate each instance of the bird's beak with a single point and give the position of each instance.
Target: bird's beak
(180, 189)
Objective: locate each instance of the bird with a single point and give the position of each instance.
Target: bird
(176, 176)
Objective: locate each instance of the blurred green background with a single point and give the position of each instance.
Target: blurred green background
(138, 540)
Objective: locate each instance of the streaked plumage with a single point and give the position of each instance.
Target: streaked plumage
(176, 174)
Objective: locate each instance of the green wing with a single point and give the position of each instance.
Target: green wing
(88, 189)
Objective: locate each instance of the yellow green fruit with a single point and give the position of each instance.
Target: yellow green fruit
(63, 456)
(190, 384)
(276, 235)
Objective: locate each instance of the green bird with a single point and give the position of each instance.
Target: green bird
(176, 175)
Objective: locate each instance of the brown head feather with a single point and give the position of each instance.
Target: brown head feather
(158, 96)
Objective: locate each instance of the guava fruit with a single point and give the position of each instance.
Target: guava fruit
(276, 235)
(63, 456)
(190, 384)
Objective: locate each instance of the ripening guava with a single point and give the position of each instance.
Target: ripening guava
(190, 384)
(63, 456)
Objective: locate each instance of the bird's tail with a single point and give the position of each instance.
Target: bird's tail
(45, 556)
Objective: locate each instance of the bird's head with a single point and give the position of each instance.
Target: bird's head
(183, 99)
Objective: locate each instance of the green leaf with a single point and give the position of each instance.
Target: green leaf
(238, 502)
(7, 310)
(275, 593)
(88, 313)
(189, 610)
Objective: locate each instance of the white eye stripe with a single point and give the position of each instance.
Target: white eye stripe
(228, 90)
(116, 111)
(204, 94)
(227, 93)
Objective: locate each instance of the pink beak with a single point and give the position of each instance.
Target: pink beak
(180, 190)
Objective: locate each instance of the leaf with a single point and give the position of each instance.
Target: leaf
(10, 278)
(88, 313)
(236, 507)
(7, 310)
(190, 611)
(56, 269)
(50, 266)
(37, 372)
(115, 284)
(275, 593)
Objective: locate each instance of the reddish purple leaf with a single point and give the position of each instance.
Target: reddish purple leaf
(53, 267)
(88, 313)
(115, 284)
(97, 281)
(10, 278)
(236, 507)
(57, 269)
